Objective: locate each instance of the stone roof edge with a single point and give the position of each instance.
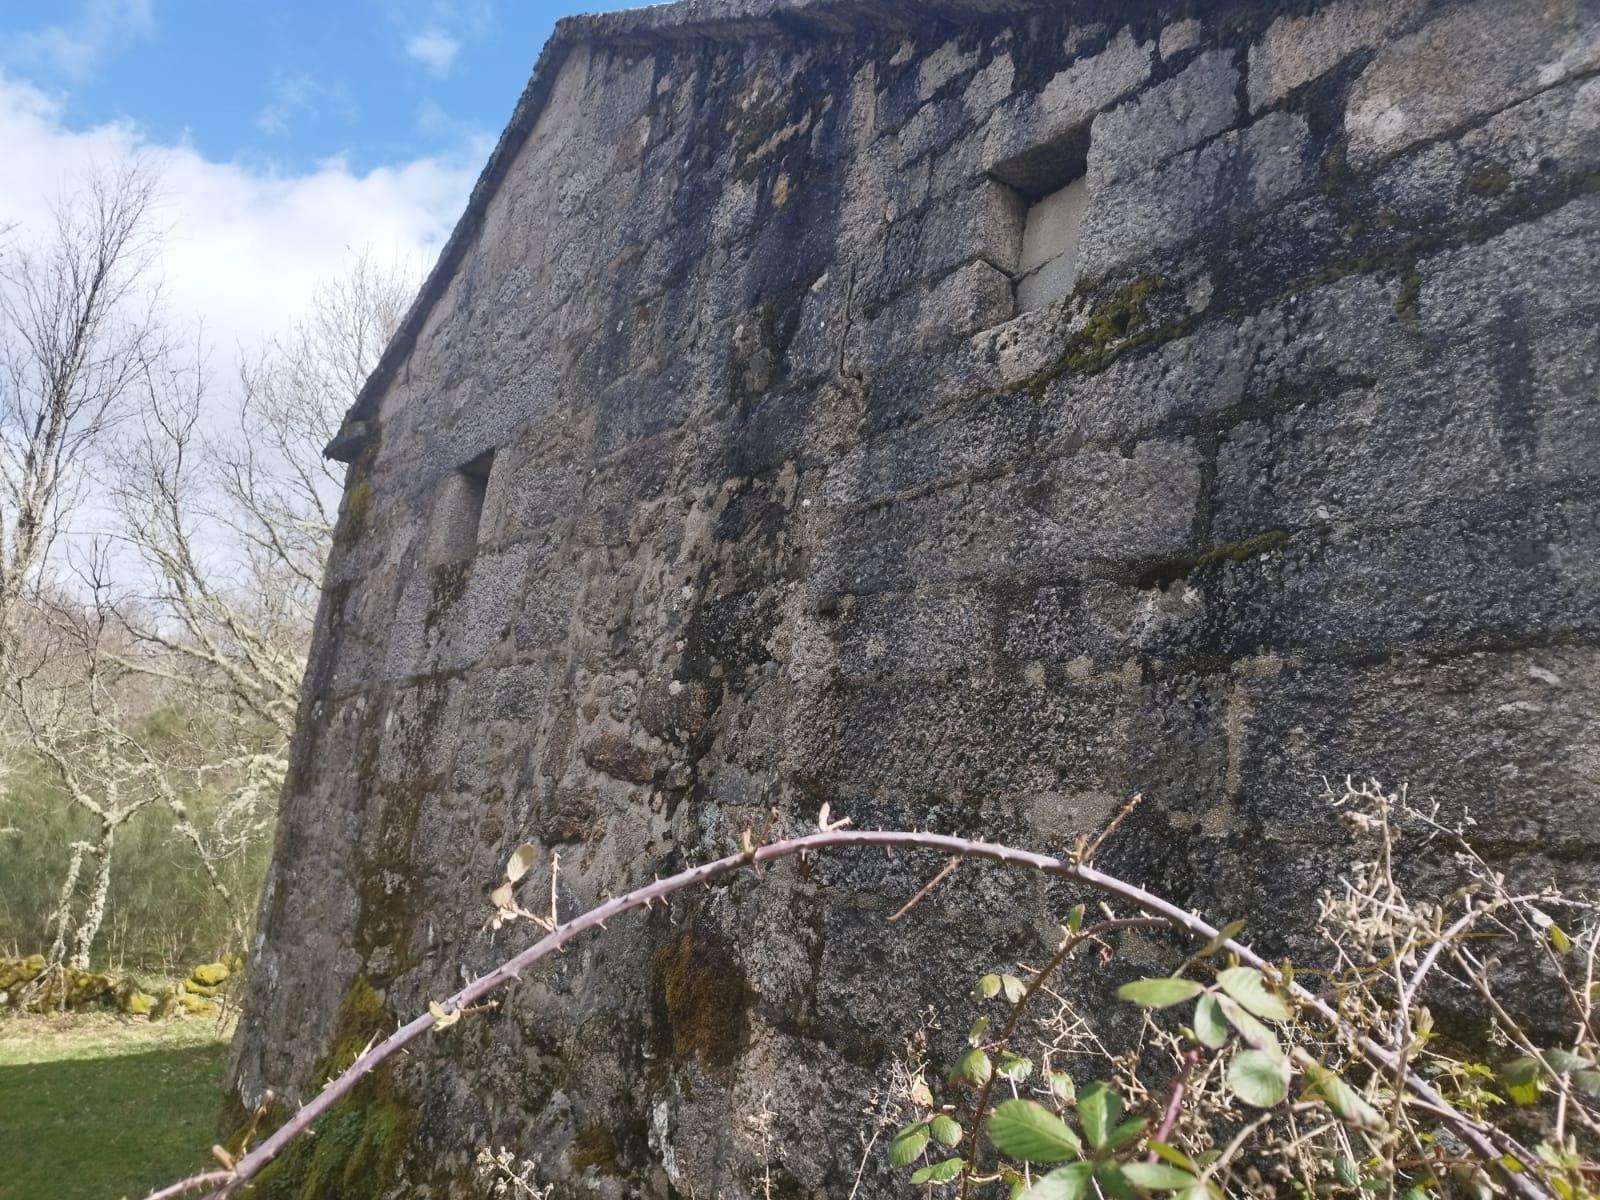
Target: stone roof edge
(714, 20)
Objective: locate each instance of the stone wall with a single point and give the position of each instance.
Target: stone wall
(715, 474)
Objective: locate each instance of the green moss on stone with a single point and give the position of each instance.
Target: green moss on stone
(1489, 182)
(210, 974)
(449, 584)
(1244, 549)
(362, 1017)
(1114, 327)
(702, 994)
(353, 1152)
(595, 1147)
(353, 520)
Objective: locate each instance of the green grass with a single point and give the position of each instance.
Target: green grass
(97, 1107)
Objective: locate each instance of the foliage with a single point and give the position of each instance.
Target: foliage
(1235, 1084)
(1314, 1096)
(163, 913)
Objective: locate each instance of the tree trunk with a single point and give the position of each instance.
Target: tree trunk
(61, 918)
(96, 911)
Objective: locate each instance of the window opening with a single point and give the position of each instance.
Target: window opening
(1051, 181)
(460, 512)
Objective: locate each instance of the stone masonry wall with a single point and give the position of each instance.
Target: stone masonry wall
(785, 505)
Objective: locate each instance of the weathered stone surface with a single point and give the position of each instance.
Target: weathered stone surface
(1297, 49)
(790, 501)
(1229, 178)
(1160, 121)
(1466, 63)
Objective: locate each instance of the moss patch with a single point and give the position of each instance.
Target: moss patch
(1408, 300)
(1489, 181)
(1244, 549)
(701, 994)
(362, 1017)
(449, 584)
(1114, 327)
(353, 520)
(354, 1150)
(596, 1147)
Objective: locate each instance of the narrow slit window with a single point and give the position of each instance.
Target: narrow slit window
(460, 513)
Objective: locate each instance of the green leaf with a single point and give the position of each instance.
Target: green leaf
(1558, 939)
(1099, 1108)
(1521, 1079)
(1013, 987)
(1029, 1131)
(1064, 1183)
(1564, 1062)
(1258, 1078)
(1129, 1131)
(1224, 935)
(1156, 1177)
(1014, 1067)
(987, 988)
(946, 1130)
(1062, 1087)
(939, 1172)
(1210, 1027)
(1344, 1167)
(1171, 1154)
(908, 1144)
(1249, 988)
(972, 1067)
(1347, 1103)
(979, 1028)
(1587, 1082)
(1250, 1029)
(1075, 919)
(1112, 1183)
(1161, 992)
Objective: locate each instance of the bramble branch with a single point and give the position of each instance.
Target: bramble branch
(226, 1183)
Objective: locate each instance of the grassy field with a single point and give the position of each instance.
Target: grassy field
(96, 1107)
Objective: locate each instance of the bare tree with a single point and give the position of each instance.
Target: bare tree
(77, 703)
(77, 331)
(233, 529)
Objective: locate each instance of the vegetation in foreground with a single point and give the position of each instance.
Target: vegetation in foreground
(100, 1106)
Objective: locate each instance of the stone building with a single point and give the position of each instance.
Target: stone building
(970, 413)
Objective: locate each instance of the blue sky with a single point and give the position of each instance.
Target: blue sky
(289, 136)
(285, 83)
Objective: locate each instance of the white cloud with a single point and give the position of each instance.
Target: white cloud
(301, 96)
(73, 49)
(246, 246)
(434, 50)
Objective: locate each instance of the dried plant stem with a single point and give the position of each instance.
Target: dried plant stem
(1481, 1140)
(926, 889)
